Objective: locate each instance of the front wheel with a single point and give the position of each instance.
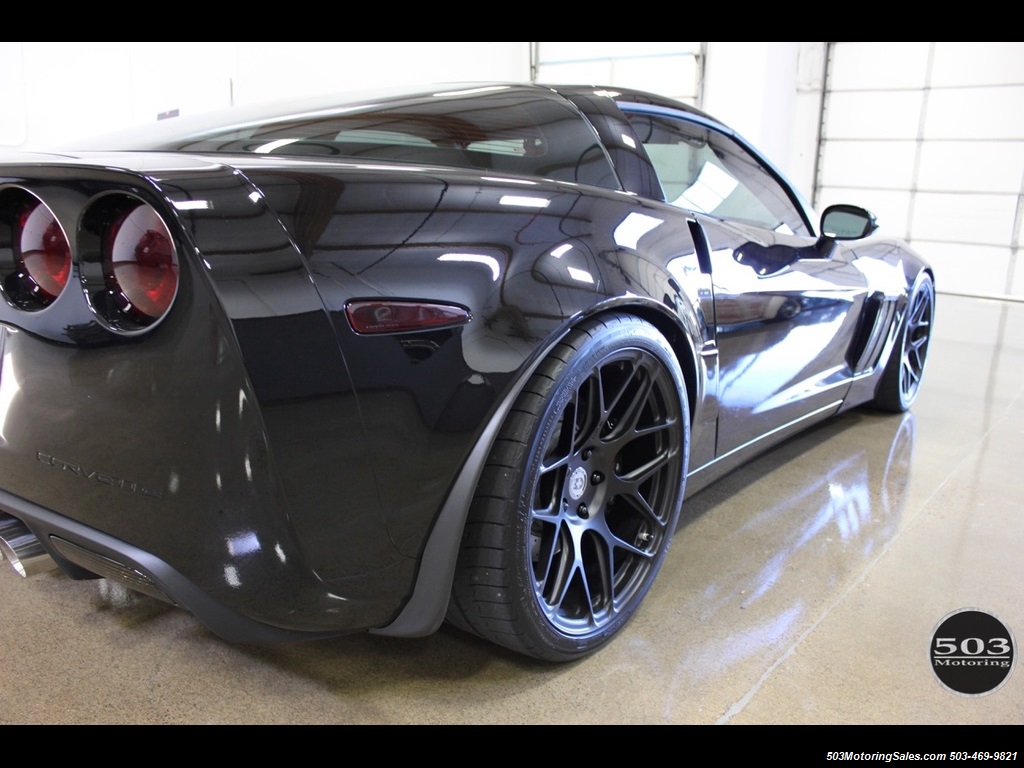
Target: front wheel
(580, 496)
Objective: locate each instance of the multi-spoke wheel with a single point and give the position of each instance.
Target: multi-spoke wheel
(580, 497)
(901, 380)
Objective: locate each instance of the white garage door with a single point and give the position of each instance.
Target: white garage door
(930, 136)
(671, 69)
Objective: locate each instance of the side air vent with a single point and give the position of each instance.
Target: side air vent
(870, 338)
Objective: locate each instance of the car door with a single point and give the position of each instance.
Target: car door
(785, 302)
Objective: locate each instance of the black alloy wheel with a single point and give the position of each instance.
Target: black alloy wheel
(578, 503)
(901, 381)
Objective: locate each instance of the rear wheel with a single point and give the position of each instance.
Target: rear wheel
(901, 381)
(580, 496)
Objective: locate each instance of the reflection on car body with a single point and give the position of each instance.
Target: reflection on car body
(447, 354)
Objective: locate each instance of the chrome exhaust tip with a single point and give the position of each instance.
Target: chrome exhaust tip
(20, 547)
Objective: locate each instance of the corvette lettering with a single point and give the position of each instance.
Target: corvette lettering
(96, 476)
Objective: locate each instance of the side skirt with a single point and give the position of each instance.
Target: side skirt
(703, 476)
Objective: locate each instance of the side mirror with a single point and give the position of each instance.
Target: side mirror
(847, 222)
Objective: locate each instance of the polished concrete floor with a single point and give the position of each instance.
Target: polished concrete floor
(805, 588)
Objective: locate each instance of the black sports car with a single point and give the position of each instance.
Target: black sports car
(454, 354)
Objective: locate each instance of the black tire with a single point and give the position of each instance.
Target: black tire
(901, 380)
(581, 494)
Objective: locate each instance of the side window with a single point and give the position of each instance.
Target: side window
(707, 172)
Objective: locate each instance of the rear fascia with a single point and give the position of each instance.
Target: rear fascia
(150, 449)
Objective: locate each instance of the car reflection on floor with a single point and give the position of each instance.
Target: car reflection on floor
(796, 528)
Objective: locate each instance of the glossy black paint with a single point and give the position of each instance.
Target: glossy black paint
(274, 472)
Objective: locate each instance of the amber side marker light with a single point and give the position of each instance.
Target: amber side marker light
(387, 316)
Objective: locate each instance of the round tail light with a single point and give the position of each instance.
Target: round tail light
(38, 262)
(43, 253)
(140, 264)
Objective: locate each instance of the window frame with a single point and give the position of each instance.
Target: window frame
(796, 200)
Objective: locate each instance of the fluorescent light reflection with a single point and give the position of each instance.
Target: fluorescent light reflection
(231, 576)
(470, 91)
(366, 167)
(9, 388)
(711, 188)
(525, 182)
(581, 275)
(193, 205)
(269, 147)
(633, 227)
(525, 202)
(243, 544)
(475, 258)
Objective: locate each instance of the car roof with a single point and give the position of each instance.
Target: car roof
(632, 96)
(152, 134)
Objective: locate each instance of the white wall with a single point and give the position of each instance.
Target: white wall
(770, 93)
(55, 92)
(930, 136)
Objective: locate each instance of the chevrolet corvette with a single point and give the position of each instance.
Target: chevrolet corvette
(454, 354)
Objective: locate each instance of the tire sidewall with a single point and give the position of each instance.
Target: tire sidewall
(922, 283)
(619, 334)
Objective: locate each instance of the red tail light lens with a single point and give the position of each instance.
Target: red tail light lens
(36, 263)
(122, 256)
(43, 252)
(140, 264)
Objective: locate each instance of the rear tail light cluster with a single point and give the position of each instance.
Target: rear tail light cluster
(129, 265)
(36, 253)
(119, 246)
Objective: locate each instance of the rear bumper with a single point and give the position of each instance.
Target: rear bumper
(38, 540)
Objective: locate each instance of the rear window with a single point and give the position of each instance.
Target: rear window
(522, 132)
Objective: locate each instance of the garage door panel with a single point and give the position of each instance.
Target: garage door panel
(875, 164)
(978, 64)
(876, 66)
(970, 268)
(930, 136)
(975, 113)
(986, 219)
(873, 115)
(972, 166)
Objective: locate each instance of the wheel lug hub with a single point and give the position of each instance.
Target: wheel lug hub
(583, 512)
